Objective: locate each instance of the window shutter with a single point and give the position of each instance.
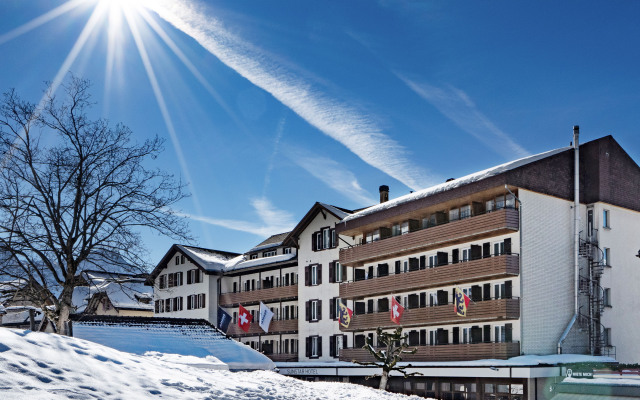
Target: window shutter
(332, 345)
(423, 262)
(203, 300)
(508, 332)
(319, 310)
(308, 353)
(189, 273)
(487, 291)
(332, 308)
(319, 342)
(188, 302)
(344, 341)
(307, 314)
(332, 272)
(319, 273)
(181, 280)
(508, 289)
(334, 238)
(344, 273)
(307, 276)
(487, 333)
(476, 293)
(455, 256)
(486, 250)
(313, 241)
(507, 246)
(398, 267)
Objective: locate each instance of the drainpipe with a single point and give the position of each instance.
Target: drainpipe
(519, 260)
(576, 233)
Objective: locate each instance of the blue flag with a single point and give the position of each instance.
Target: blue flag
(223, 319)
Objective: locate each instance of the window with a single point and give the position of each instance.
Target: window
(490, 205)
(433, 261)
(195, 276)
(395, 230)
(499, 202)
(182, 258)
(253, 256)
(499, 334)
(314, 275)
(607, 337)
(159, 307)
(607, 257)
(510, 201)
(465, 211)
(606, 297)
(315, 346)
(454, 214)
(314, 310)
(404, 228)
(498, 248)
(286, 250)
(196, 301)
(162, 283)
(606, 222)
(324, 239)
(337, 270)
(177, 260)
(269, 253)
(466, 254)
(174, 279)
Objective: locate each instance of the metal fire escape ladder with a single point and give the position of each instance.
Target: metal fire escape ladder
(589, 319)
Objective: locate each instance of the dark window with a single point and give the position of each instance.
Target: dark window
(443, 258)
(508, 289)
(442, 336)
(383, 305)
(476, 252)
(456, 335)
(414, 338)
(486, 250)
(455, 256)
(476, 293)
(487, 291)
(414, 264)
(423, 299)
(383, 270)
(487, 333)
(507, 246)
(414, 301)
(443, 297)
(423, 337)
(423, 262)
(508, 332)
(359, 341)
(360, 307)
(398, 265)
(370, 306)
(359, 274)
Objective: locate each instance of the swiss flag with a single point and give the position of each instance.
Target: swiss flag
(244, 318)
(396, 310)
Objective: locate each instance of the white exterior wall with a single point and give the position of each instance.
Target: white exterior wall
(277, 274)
(208, 286)
(325, 291)
(547, 273)
(623, 240)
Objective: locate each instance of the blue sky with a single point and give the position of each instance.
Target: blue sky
(267, 107)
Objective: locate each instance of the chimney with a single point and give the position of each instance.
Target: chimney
(384, 193)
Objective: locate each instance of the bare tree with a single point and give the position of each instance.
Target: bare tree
(392, 345)
(74, 195)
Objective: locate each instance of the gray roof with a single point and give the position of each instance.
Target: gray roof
(271, 241)
(210, 260)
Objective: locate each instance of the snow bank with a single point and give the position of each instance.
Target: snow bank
(38, 365)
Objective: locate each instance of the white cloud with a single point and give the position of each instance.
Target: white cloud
(332, 173)
(273, 220)
(456, 105)
(340, 121)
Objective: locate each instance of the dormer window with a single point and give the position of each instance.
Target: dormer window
(270, 253)
(286, 250)
(253, 256)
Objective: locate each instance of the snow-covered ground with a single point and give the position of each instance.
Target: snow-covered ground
(38, 365)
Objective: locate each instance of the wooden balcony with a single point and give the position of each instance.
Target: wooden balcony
(485, 268)
(481, 311)
(465, 230)
(256, 296)
(284, 357)
(448, 352)
(276, 327)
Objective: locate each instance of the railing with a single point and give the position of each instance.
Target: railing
(255, 296)
(468, 271)
(283, 357)
(488, 310)
(445, 352)
(479, 226)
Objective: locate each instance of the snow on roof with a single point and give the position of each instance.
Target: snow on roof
(19, 315)
(208, 362)
(271, 241)
(38, 365)
(210, 260)
(474, 177)
(340, 213)
(124, 291)
(175, 336)
(261, 261)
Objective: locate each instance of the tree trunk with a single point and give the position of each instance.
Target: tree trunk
(384, 378)
(65, 311)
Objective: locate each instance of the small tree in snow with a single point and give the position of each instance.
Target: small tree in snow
(391, 347)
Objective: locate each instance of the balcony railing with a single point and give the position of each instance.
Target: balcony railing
(447, 352)
(464, 230)
(485, 268)
(488, 310)
(281, 326)
(283, 357)
(256, 296)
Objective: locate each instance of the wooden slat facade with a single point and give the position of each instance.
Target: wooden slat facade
(449, 352)
(276, 327)
(284, 357)
(485, 268)
(251, 297)
(473, 228)
(481, 311)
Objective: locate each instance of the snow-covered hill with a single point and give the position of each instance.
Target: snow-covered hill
(47, 366)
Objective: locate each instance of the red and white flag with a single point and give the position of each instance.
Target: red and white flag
(244, 318)
(396, 310)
